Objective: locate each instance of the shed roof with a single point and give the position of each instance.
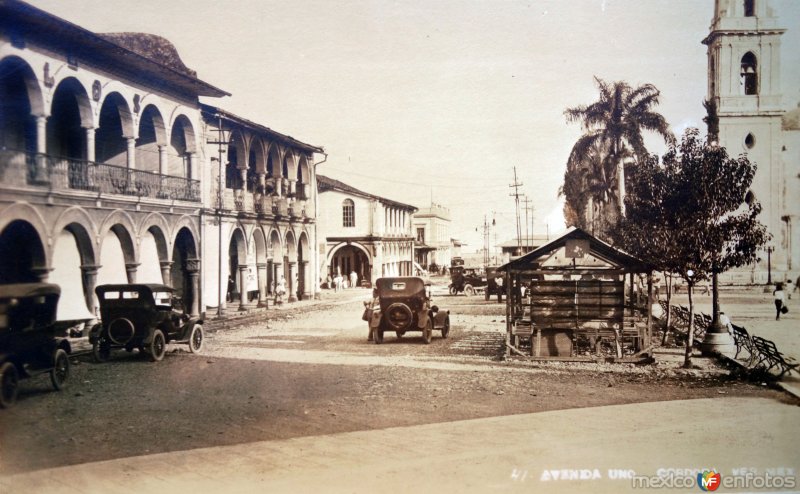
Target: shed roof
(597, 248)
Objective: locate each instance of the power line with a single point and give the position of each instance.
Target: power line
(516, 185)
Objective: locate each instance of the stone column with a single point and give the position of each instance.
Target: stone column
(131, 141)
(166, 272)
(306, 284)
(242, 286)
(278, 272)
(42, 273)
(193, 270)
(89, 274)
(130, 270)
(270, 276)
(41, 149)
(90, 151)
(261, 276)
(191, 162)
(163, 160)
(291, 288)
(292, 187)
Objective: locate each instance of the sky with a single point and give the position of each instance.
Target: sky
(422, 101)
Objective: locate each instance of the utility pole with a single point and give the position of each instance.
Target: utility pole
(528, 208)
(220, 142)
(485, 241)
(516, 185)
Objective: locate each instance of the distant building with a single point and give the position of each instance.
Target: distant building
(363, 232)
(432, 243)
(519, 247)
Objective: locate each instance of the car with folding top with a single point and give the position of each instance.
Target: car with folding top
(31, 340)
(404, 304)
(144, 316)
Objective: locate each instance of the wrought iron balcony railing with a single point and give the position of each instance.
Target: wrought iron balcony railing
(61, 174)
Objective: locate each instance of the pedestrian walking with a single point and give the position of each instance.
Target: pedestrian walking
(280, 290)
(499, 282)
(789, 288)
(353, 279)
(779, 297)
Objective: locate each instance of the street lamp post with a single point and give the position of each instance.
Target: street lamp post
(770, 250)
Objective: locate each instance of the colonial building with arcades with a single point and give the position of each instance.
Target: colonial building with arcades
(107, 176)
(261, 189)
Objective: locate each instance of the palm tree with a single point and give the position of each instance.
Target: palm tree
(612, 128)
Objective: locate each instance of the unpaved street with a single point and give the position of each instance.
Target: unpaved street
(312, 372)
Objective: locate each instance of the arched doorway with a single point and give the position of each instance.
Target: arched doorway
(74, 270)
(22, 257)
(186, 270)
(237, 269)
(260, 245)
(349, 258)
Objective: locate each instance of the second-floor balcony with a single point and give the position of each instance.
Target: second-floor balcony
(54, 173)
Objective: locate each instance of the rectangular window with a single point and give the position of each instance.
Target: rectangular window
(348, 213)
(421, 235)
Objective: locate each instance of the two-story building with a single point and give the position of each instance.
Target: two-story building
(432, 243)
(100, 159)
(261, 189)
(363, 232)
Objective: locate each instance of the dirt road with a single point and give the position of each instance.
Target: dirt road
(311, 373)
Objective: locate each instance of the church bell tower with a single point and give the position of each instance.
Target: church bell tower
(744, 75)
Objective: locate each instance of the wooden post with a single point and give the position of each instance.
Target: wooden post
(649, 309)
(508, 311)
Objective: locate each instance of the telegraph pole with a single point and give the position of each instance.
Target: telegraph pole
(221, 292)
(527, 208)
(516, 185)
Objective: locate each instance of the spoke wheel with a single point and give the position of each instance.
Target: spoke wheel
(453, 291)
(60, 372)
(427, 333)
(101, 349)
(158, 346)
(9, 384)
(469, 290)
(196, 339)
(446, 328)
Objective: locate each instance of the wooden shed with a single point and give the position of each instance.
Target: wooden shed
(571, 299)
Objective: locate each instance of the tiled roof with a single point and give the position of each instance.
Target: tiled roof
(326, 183)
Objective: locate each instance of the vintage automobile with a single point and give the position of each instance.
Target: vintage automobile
(142, 316)
(30, 338)
(401, 305)
(467, 280)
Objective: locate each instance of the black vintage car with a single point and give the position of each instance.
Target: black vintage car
(402, 305)
(30, 338)
(145, 317)
(466, 280)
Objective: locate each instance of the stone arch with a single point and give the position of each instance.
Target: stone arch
(22, 253)
(303, 179)
(256, 163)
(123, 226)
(273, 165)
(77, 221)
(291, 245)
(749, 74)
(114, 129)
(181, 146)
(152, 137)
(289, 166)
(20, 97)
(157, 224)
(70, 113)
(347, 257)
(185, 269)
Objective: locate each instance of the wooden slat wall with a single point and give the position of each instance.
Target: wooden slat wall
(577, 304)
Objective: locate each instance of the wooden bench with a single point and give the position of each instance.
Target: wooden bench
(768, 357)
(741, 338)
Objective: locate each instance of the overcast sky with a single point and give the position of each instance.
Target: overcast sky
(420, 99)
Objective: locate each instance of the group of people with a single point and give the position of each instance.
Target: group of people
(340, 282)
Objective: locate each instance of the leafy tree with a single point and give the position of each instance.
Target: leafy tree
(612, 128)
(687, 214)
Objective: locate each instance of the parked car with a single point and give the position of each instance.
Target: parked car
(145, 317)
(466, 280)
(30, 338)
(402, 305)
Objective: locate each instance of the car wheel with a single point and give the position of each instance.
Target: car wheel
(377, 335)
(9, 384)
(60, 371)
(399, 334)
(158, 346)
(101, 349)
(427, 333)
(469, 291)
(446, 328)
(453, 291)
(196, 339)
